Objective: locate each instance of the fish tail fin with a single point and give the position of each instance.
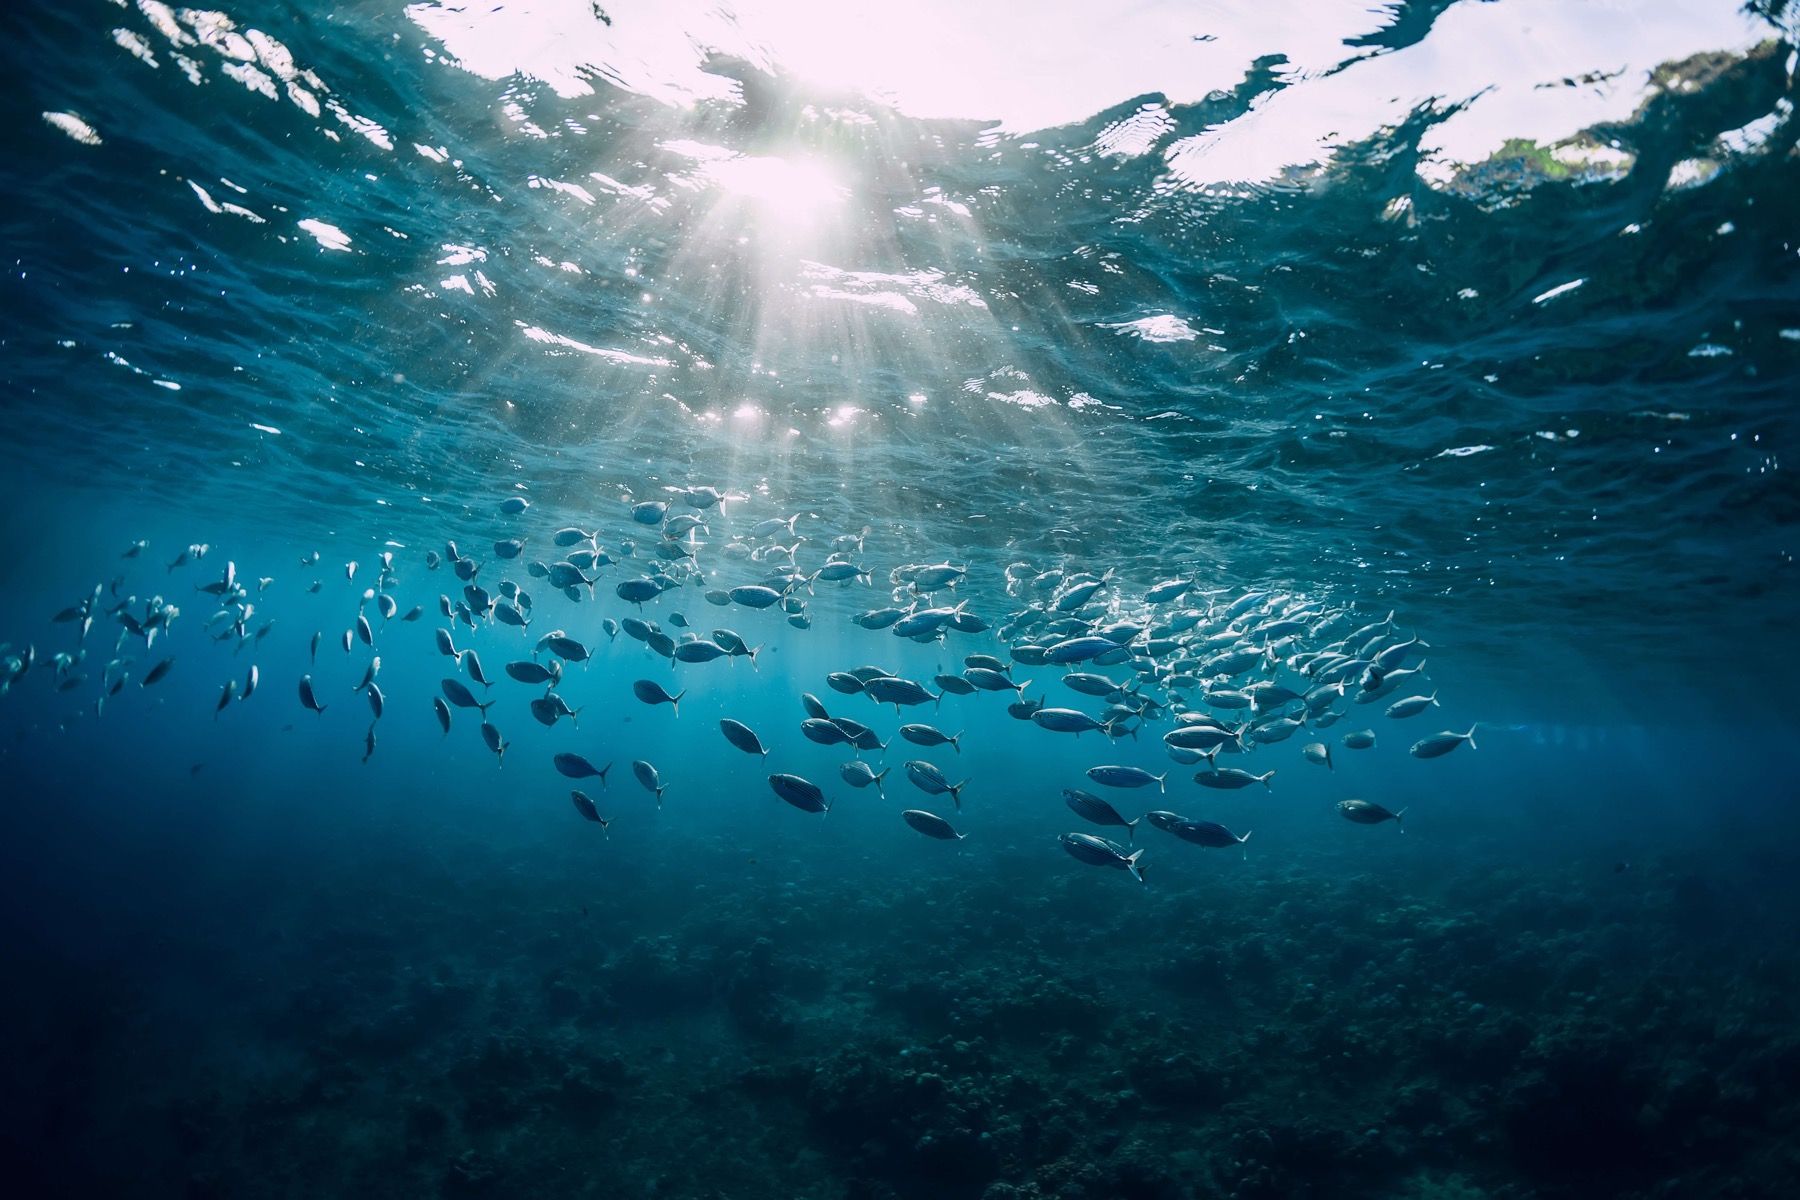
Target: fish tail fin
(603, 771)
(956, 793)
(754, 650)
(1131, 830)
(659, 792)
(575, 716)
(1397, 817)
(484, 708)
(1162, 783)
(675, 701)
(956, 741)
(1469, 737)
(1265, 777)
(1020, 688)
(1433, 698)
(1134, 866)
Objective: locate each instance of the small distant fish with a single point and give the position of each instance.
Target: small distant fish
(1068, 720)
(931, 825)
(1367, 812)
(699, 651)
(495, 742)
(889, 689)
(1440, 744)
(574, 766)
(743, 737)
(1317, 752)
(859, 774)
(225, 696)
(1230, 778)
(928, 779)
(1127, 777)
(1090, 807)
(443, 712)
(1098, 852)
(647, 775)
(307, 699)
(927, 735)
(653, 693)
(369, 744)
(586, 808)
(512, 506)
(1359, 739)
(564, 647)
(157, 672)
(457, 694)
(986, 679)
(802, 793)
(1205, 833)
(471, 661)
(527, 671)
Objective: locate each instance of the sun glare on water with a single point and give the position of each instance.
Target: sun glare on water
(789, 190)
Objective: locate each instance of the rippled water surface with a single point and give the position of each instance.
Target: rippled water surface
(1487, 314)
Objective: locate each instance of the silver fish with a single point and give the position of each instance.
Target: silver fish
(1098, 852)
(743, 737)
(928, 779)
(586, 808)
(931, 825)
(648, 776)
(1127, 777)
(1367, 812)
(1092, 808)
(653, 693)
(574, 766)
(803, 794)
(859, 774)
(1440, 744)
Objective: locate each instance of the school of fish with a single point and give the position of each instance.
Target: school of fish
(1217, 676)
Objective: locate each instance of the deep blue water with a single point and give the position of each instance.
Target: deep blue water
(1485, 315)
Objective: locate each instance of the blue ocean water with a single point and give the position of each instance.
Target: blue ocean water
(1485, 316)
